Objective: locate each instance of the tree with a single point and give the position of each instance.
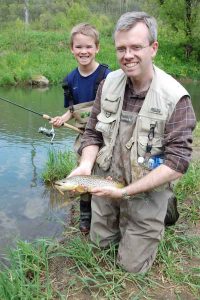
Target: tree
(183, 15)
(26, 12)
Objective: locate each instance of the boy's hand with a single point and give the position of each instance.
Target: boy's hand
(57, 121)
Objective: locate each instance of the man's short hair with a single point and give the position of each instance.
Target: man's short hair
(128, 20)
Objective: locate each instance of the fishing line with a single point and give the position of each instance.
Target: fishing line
(43, 130)
(28, 109)
(44, 116)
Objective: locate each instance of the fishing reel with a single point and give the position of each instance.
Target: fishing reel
(47, 132)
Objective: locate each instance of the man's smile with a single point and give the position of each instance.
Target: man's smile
(131, 65)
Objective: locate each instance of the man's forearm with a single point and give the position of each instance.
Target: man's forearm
(88, 156)
(154, 179)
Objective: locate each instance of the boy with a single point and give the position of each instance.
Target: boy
(80, 87)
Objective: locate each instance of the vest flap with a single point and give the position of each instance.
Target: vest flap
(106, 117)
(111, 103)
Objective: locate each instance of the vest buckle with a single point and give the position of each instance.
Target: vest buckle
(129, 143)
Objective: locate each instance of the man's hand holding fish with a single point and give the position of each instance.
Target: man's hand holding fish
(86, 183)
(108, 191)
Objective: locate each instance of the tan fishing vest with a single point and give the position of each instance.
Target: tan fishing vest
(158, 106)
(81, 113)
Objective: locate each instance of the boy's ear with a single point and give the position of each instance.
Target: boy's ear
(71, 49)
(98, 48)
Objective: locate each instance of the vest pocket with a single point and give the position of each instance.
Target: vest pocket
(145, 123)
(157, 147)
(111, 103)
(104, 157)
(105, 128)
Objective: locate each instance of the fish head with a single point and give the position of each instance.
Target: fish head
(69, 184)
(65, 184)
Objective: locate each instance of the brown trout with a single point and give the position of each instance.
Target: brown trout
(84, 184)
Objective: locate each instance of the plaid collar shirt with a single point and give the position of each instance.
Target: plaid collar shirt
(178, 130)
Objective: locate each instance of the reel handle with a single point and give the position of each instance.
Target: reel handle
(64, 124)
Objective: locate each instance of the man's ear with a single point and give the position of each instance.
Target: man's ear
(154, 49)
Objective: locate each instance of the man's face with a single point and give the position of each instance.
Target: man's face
(134, 51)
(84, 49)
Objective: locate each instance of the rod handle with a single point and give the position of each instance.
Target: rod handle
(64, 124)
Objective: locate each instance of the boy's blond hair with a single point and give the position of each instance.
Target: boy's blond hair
(85, 29)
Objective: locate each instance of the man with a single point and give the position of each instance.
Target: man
(140, 133)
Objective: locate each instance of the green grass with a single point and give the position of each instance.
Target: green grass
(196, 135)
(25, 53)
(188, 188)
(59, 164)
(27, 275)
(87, 269)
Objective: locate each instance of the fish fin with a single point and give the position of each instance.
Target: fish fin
(62, 193)
(120, 185)
(80, 189)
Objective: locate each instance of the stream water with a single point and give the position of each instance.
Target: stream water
(26, 210)
(25, 202)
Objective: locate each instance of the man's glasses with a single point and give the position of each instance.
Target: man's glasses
(133, 48)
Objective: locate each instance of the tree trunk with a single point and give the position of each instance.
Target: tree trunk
(26, 13)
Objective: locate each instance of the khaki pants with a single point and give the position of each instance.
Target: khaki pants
(137, 224)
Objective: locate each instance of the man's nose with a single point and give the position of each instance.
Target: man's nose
(128, 53)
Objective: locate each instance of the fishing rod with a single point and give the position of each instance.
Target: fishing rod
(44, 116)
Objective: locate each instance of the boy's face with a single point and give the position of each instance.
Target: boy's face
(84, 49)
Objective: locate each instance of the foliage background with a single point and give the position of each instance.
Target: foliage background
(34, 35)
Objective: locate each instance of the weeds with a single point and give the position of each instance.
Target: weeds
(196, 135)
(59, 165)
(176, 254)
(187, 191)
(27, 275)
(90, 270)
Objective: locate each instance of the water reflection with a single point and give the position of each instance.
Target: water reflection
(193, 88)
(25, 209)
(58, 200)
(34, 178)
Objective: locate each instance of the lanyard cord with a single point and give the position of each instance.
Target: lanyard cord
(150, 138)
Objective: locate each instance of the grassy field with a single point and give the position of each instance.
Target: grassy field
(26, 53)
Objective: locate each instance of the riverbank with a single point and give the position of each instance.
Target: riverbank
(73, 268)
(76, 269)
(29, 53)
